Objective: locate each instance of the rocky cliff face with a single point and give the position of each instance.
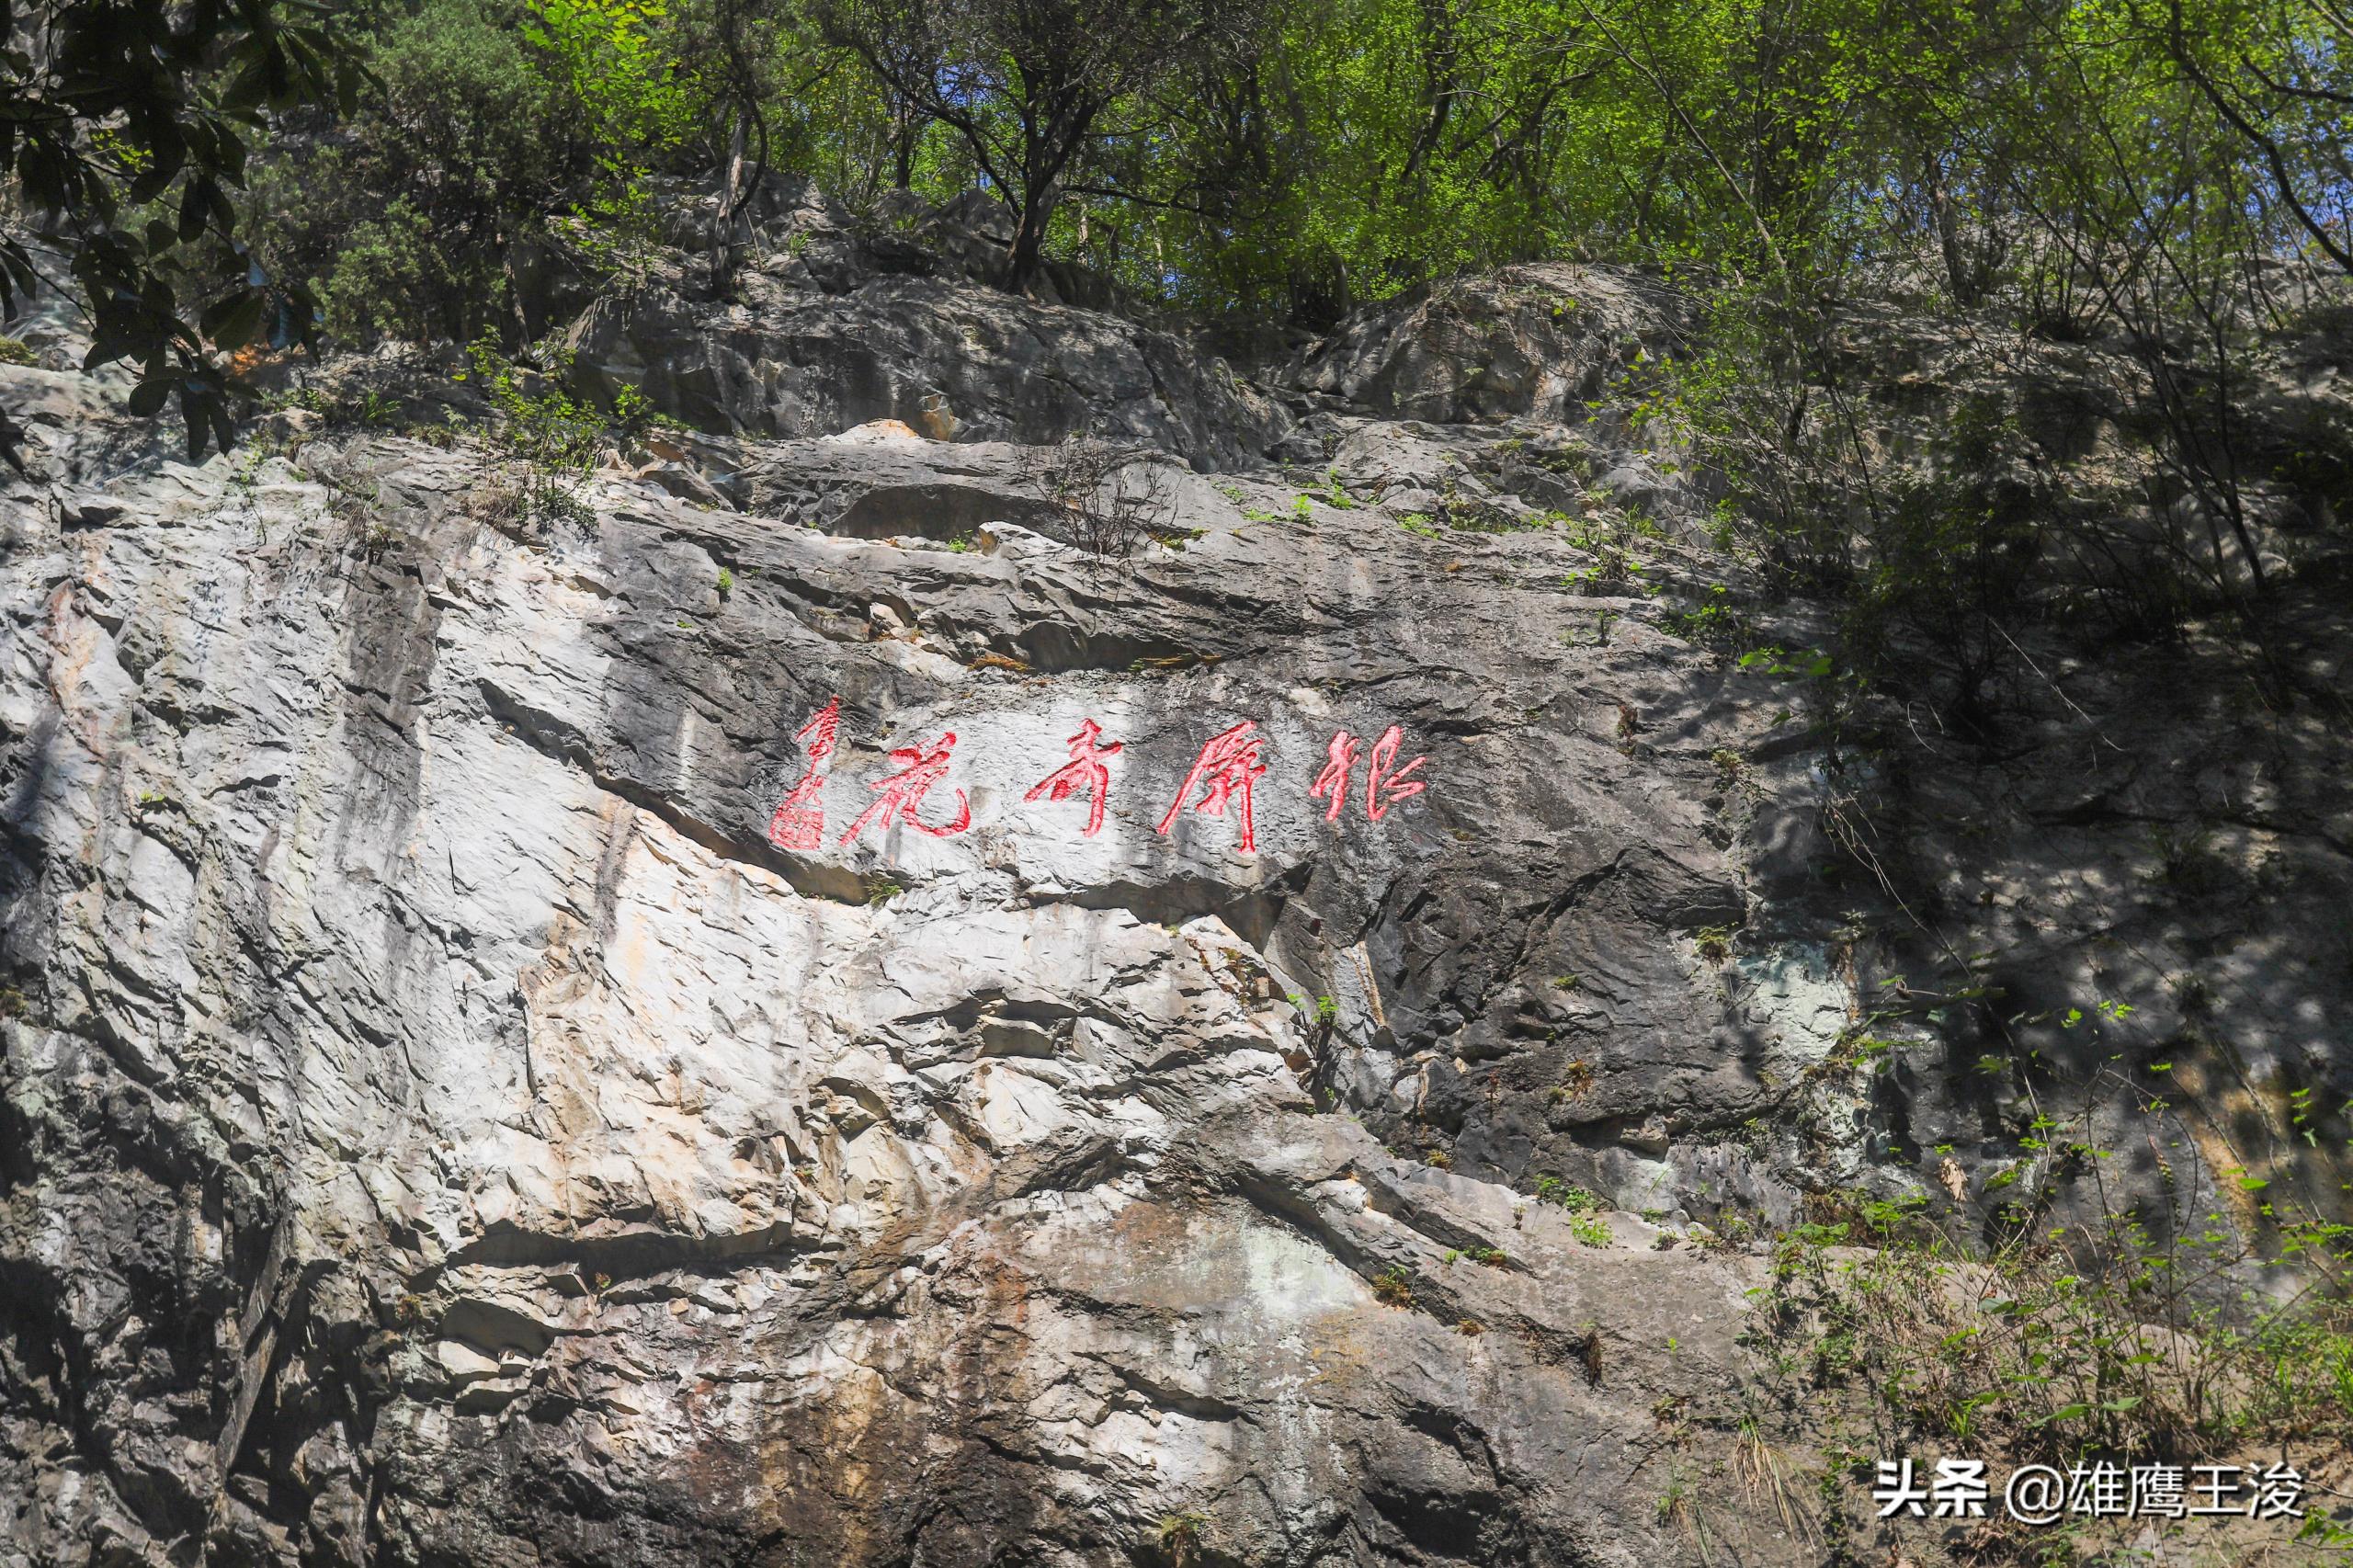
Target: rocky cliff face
(603, 1042)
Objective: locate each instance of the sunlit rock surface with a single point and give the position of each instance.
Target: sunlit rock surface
(441, 1123)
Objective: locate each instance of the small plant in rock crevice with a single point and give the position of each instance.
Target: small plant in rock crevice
(2188, 862)
(1180, 1537)
(1577, 1081)
(1324, 1009)
(1678, 1509)
(1567, 1195)
(1713, 622)
(1768, 1476)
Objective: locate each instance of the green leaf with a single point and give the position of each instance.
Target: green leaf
(147, 397)
(192, 210)
(231, 321)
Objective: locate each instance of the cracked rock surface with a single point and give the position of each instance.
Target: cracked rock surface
(441, 1124)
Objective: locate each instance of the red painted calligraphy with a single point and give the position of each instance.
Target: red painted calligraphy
(800, 821)
(1084, 770)
(1228, 764)
(1333, 780)
(1384, 785)
(902, 792)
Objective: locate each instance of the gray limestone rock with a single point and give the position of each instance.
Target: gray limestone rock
(465, 1100)
(1541, 339)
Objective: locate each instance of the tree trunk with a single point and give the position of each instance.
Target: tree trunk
(1961, 272)
(906, 134)
(1029, 255)
(727, 243)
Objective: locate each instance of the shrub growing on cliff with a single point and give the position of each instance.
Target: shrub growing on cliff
(554, 438)
(1108, 498)
(410, 213)
(395, 279)
(2092, 1339)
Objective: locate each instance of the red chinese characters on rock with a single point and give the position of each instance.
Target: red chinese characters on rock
(799, 822)
(1228, 764)
(1224, 774)
(1333, 780)
(1084, 770)
(1384, 783)
(1384, 786)
(901, 793)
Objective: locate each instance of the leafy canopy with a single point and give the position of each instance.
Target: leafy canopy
(125, 128)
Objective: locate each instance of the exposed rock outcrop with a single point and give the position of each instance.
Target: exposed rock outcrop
(448, 1114)
(1540, 340)
(832, 327)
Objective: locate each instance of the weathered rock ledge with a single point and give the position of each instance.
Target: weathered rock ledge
(441, 1123)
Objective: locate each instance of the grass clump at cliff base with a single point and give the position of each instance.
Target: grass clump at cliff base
(2059, 1345)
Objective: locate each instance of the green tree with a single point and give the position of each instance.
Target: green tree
(2281, 76)
(125, 126)
(1034, 88)
(411, 213)
(636, 103)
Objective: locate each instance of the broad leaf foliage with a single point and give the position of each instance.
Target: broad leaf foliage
(125, 130)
